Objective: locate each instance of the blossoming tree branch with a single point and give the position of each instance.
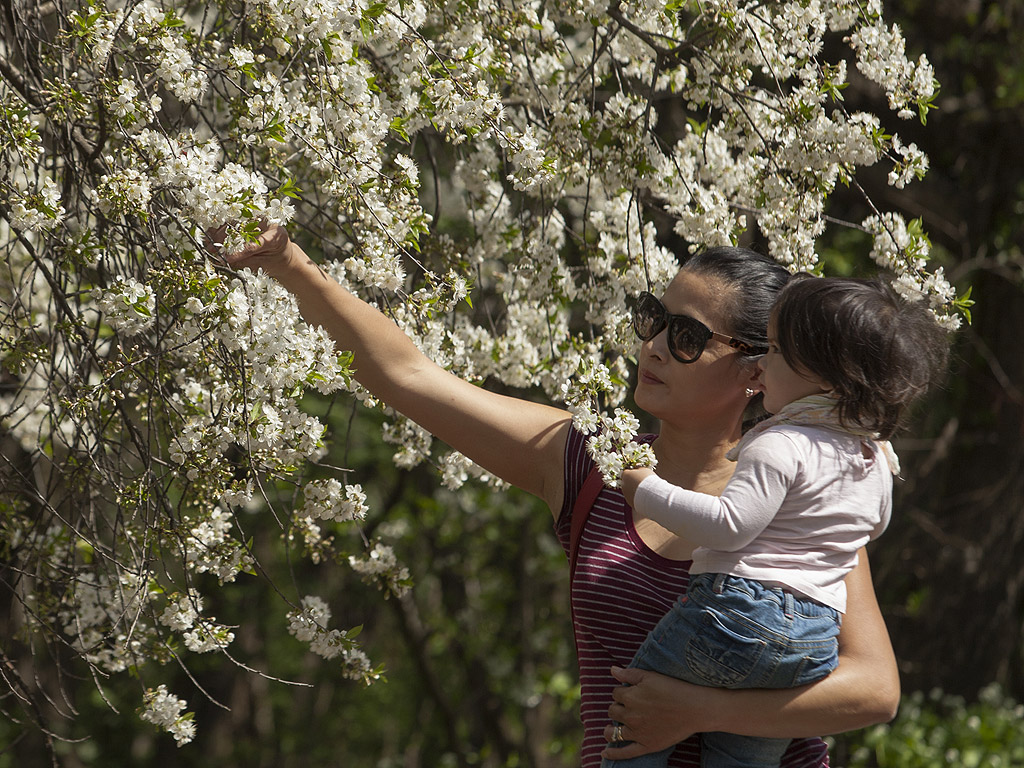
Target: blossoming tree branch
(499, 176)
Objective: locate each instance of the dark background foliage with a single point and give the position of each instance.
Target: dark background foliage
(949, 572)
(479, 655)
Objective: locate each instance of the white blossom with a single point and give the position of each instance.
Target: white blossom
(164, 710)
(209, 547)
(310, 625)
(129, 306)
(329, 500)
(381, 566)
(912, 164)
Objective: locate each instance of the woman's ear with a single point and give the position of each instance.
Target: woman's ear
(750, 373)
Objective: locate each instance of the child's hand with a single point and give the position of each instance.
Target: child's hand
(631, 479)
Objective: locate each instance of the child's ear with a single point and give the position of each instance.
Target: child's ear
(826, 388)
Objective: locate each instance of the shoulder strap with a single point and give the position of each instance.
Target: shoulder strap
(592, 486)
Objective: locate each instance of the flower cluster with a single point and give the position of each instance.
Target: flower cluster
(903, 248)
(614, 448)
(106, 618)
(128, 306)
(164, 710)
(37, 211)
(380, 566)
(309, 625)
(210, 547)
(200, 634)
(912, 164)
(329, 500)
(612, 442)
(881, 57)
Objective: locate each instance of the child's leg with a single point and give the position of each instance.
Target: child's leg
(653, 760)
(800, 646)
(663, 651)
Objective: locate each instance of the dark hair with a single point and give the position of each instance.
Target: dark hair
(879, 351)
(755, 281)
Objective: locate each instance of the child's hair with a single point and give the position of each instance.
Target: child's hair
(879, 351)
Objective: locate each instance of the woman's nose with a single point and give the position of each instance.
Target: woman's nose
(658, 344)
(759, 361)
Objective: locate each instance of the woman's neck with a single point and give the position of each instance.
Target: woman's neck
(694, 460)
(694, 457)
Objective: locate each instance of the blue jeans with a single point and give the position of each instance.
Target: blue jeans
(729, 632)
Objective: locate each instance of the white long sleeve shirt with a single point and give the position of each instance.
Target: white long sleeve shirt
(801, 503)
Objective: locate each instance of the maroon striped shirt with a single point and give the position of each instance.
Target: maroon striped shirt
(620, 591)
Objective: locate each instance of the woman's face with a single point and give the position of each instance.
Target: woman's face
(711, 387)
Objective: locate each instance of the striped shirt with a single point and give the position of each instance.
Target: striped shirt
(620, 591)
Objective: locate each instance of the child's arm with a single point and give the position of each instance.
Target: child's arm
(728, 522)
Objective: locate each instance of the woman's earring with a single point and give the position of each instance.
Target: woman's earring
(750, 392)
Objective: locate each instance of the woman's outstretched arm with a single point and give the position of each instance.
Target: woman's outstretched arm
(519, 441)
(658, 711)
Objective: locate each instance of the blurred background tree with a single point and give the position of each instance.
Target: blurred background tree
(949, 572)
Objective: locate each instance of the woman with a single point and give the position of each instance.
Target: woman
(701, 406)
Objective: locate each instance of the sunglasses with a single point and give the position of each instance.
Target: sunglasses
(687, 337)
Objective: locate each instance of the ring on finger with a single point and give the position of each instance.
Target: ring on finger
(617, 733)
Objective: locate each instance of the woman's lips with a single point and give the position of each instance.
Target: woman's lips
(648, 377)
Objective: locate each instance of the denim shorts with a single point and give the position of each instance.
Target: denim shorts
(731, 632)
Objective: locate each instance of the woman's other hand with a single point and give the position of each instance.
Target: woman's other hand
(656, 711)
(652, 710)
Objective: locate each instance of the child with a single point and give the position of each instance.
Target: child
(812, 485)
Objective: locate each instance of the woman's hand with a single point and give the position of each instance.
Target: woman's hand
(273, 252)
(521, 442)
(652, 710)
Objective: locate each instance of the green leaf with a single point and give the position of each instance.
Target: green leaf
(697, 126)
(963, 304)
(326, 44)
(398, 128)
(289, 189)
(85, 549)
(275, 128)
(915, 228)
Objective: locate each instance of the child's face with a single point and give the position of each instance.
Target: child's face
(779, 382)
